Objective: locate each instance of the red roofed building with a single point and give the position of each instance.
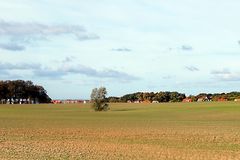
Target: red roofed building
(56, 101)
(222, 99)
(187, 100)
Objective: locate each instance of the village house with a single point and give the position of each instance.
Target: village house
(129, 101)
(146, 101)
(187, 100)
(222, 99)
(20, 101)
(203, 99)
(56, 101)
(137, 101)
(155, 101)
(85, 101)
(69, 101)
(237, 100)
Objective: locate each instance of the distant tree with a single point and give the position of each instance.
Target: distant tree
(162, 97)
(148, 96)
(176, 97)
(131, 97)
(113, 99)
(3, 92)
(98, 98)
(194, 98)
(42, 96)
(233, 95)
(140, 96)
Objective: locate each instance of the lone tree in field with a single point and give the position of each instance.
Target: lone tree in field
(98, 98)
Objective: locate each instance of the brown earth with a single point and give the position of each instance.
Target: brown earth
(124, 143)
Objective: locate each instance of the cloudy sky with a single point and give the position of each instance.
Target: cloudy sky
(72, 46)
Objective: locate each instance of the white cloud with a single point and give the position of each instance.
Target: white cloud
(192, 68)
(65, 69)
(12, 47)
(19, 34)
(226, 75)
(121, 49)
(186, 48)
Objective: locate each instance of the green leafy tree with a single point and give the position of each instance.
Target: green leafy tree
(20, 91)
(98, 98)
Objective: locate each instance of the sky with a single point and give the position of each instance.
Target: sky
(72, 46)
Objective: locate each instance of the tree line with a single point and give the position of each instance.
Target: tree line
(173, 97)
(231, 96)
(19, 92)
(149, 97)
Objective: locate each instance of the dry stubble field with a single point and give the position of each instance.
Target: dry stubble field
(174, 131)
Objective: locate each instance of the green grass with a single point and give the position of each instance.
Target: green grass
(171, 130)
(193, 114)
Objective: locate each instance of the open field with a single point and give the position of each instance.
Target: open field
(184, 131)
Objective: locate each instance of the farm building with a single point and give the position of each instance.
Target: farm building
(146, 101)
(137, 101)
(203, 99)
(85, 101)
(19, 101)
(56, 101)
(187, 100)
(69, 101)
(222, 99)
(155, 101)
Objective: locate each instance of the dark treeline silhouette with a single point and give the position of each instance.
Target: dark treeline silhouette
(174, 97)
(22, 92)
